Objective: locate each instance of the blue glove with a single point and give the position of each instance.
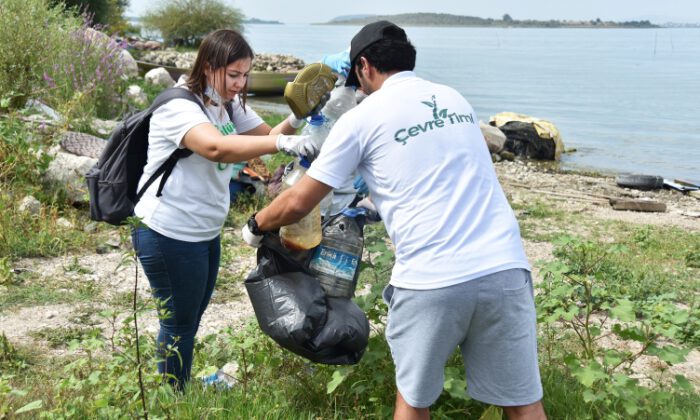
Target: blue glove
(360, 185)
(339, 62)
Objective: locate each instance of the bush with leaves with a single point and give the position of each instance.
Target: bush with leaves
(581, 304)
(56, 57)
(88, 77)
(187, 22)
(31, 37)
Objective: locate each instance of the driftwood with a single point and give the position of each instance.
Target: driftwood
(637, 205)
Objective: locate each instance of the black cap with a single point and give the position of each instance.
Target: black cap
(367, 36)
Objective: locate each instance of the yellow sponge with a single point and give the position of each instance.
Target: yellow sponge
(308, 87)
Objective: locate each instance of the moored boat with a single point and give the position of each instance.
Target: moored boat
(259, 83)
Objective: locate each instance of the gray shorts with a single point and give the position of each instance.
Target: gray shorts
(492, 319)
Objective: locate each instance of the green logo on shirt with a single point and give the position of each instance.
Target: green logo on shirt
(226, 129)
(441, 118)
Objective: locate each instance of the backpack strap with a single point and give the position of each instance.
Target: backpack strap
(167, 167)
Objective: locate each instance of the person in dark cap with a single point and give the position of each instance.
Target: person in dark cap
(461, 278)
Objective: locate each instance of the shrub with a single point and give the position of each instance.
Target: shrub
(31, 36)
(87, 78)
(187, 22)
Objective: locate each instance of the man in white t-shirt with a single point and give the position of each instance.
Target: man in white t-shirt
(461, 277)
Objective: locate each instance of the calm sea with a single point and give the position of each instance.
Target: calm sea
(628, 100)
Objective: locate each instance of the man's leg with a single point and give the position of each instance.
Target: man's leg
(534, 411)
(403, 411)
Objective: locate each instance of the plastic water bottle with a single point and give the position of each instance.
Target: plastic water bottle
(341, 101)
(336, 261)
(306, 233)
(316, 129)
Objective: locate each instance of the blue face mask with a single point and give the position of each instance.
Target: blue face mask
(214, 95)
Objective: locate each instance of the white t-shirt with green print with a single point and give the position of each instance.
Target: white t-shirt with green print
(195, 199)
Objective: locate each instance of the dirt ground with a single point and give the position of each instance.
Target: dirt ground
(523, 182)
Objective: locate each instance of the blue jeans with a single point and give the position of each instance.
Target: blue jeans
(182, 277)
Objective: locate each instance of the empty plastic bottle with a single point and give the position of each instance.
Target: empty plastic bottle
(306, 233)
(336, 261)
(316, 129)
(341, 101)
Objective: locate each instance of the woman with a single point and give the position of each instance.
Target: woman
(179, 246)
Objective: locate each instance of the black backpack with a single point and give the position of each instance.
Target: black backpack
(112, 183)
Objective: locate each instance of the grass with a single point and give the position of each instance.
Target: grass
(273, 383)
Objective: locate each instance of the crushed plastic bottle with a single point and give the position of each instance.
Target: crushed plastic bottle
(306, 233)
(336, 261)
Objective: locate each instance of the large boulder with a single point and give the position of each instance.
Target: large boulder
(68, 170)
(128, 64)
(495, 139)
(159, 77)
(131, 68)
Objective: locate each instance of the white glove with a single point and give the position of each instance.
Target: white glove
(297, 146)
(294, 121)
(251, 239)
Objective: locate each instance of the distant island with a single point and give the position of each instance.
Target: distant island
(445, 19)
(261, 21)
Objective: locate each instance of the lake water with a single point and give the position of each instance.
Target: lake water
(627, 99)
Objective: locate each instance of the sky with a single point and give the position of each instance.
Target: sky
(310, 11)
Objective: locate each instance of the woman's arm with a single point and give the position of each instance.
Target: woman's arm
(285, 127)
(206, 140)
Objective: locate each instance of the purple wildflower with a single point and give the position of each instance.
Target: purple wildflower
(49, 81)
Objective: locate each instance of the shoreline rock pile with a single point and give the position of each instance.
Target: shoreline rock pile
(263, 62)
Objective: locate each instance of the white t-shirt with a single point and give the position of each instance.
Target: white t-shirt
(419, 148)
(195, 198)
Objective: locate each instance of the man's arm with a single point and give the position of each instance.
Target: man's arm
(293, 204)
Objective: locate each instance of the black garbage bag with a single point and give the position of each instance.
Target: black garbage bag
(522, 139)
(293, 310)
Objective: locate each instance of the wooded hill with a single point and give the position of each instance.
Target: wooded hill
(445, 19)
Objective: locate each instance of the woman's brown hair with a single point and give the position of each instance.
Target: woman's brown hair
(218, 49)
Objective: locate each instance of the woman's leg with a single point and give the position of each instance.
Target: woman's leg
(179, 274)
(213, 273)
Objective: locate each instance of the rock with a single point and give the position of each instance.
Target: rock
(159, 77)
(68, 170)
(90, 227)
(495, 139)
(137, 95)
(103, 127)
(64, 223)
(30, 205)
(506, 155)
(113, 242)
(152, 45)
(44, 110)
(129, 65)
(262, 62)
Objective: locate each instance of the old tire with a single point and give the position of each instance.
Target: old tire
(640, 182)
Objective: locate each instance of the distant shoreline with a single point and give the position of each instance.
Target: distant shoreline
(449, 20)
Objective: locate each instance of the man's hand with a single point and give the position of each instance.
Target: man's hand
(250, 238)
(339, 62)
(360, 185)
(297, 146)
